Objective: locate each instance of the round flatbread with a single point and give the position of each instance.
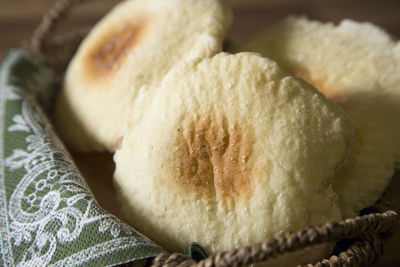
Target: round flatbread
(228, 151)
(135, 45)
(358, 66)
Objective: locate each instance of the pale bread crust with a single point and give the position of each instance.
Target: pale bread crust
(358, 66)
(135, 45)
(228, 151)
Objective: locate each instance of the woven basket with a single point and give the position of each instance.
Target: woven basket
(359, 241)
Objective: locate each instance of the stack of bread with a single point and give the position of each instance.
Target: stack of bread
(298, 128)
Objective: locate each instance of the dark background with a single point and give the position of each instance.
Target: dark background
(18, 18)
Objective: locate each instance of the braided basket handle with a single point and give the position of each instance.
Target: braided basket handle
(58, 11)
(371, 230)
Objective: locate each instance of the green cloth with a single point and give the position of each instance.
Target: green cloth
(48, 217)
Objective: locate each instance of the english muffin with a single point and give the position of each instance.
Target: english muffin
(228, 151)
(135, 45)
(358, 66)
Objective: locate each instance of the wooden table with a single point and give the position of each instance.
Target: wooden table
(19, 18)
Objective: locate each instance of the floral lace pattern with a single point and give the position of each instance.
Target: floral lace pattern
(48, 214)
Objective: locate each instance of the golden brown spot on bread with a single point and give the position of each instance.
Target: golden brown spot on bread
(109, 52)
(320, 83)
(215, 158)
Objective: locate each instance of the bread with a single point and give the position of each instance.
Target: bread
(358, 66)
(228, 151)
(135, 45)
